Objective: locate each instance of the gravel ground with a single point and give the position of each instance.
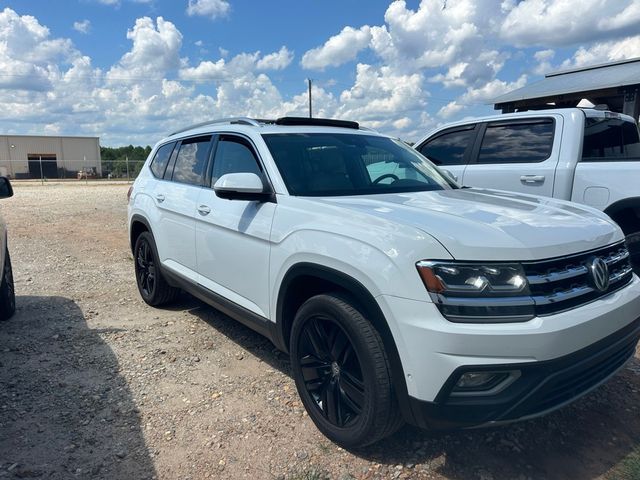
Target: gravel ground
(95, 384)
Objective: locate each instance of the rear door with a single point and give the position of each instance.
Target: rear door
(233, 236)
(519, 155)
(176, 198)
(450, 149)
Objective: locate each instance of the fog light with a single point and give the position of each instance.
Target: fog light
(484, 383)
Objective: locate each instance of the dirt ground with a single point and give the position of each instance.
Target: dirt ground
(95, 384)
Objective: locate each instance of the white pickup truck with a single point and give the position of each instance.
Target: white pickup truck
(584, 155)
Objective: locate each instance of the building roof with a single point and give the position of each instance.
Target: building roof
(586, 79)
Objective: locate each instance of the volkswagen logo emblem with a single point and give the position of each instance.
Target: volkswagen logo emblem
(599, 273)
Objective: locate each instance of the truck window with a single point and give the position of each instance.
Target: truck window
(610, 139)
(521, 142)
(448, 148)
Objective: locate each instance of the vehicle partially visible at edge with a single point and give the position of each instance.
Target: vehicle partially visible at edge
(584, 155)
(7, 292)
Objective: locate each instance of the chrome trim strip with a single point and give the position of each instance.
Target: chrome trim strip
(557, 276)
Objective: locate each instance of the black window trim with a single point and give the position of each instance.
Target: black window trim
(155, 154)
(261, 165)
(468, 152)
(475, 155)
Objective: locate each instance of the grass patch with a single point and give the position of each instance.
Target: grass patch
(627, 469)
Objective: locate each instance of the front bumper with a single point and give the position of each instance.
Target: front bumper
(586, 345)
(542, 387)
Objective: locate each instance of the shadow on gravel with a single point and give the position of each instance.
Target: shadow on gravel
(65, 412)
(243, 336)
(584, 440)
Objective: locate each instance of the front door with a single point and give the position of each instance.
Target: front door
(232, 236)
(517, 155)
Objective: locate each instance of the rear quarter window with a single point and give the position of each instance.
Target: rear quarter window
(161, 159)
(610, 139)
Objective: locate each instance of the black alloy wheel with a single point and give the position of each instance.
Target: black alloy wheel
(331, 371)
(341, 371)
(152, 286)
(145, 269)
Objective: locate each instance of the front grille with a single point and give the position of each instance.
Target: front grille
(564, 283)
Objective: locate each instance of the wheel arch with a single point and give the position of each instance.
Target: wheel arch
(138, 225)
(626, 213)
(304, 280)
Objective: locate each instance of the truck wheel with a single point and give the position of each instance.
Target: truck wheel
(342, 372)
(153, 288)
(7, 292)
(633, 243)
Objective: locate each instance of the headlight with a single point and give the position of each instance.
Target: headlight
(478, 292)
(470, 279)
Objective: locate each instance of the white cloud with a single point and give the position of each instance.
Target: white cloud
(603, 52)
(241, 64)
(339, 49)
(450, 109)
(543, 57)
(155, 50)
(491, 90)
(435, 62)
(208, 8)
(567, 22)
(82, 26)
(276, 61)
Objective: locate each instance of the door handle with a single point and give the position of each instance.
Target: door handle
(532, 179)
(204, 210)
(160, 197)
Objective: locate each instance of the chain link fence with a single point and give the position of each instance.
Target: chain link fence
(45, 168)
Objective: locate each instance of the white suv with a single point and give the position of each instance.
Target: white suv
(397, 294)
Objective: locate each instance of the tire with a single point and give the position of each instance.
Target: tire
(7, 291)
(342, 372)
(153, 287)
(633, 243)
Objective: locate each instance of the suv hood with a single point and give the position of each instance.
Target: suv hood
(479, 224)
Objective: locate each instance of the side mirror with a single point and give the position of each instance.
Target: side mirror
(241, 186)
(450, 175)
(6, 190)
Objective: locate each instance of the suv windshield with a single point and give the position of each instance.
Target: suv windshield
(336, 164)
(610, 139)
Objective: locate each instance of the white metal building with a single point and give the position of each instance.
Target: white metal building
(33, 156)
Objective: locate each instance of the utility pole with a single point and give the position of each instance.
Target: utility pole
(310, 108)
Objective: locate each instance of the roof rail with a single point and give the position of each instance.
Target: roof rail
(236, 120)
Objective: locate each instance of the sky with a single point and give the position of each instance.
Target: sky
(131, 71)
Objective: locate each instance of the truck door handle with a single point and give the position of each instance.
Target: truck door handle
(532, 179)
(160, 197)
(204, 210)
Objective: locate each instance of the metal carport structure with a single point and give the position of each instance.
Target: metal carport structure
(616, 84)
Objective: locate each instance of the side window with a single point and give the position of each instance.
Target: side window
(521, 142)
(161, 159)
(234, 155)
(192, 160)
(610, 139)
(448, 148)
